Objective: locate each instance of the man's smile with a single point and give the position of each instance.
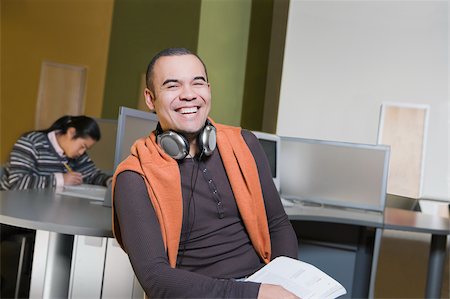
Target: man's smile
(187, 110)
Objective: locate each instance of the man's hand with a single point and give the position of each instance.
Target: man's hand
(72, 178)
(271, 291)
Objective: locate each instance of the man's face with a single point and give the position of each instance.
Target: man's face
(181, 96)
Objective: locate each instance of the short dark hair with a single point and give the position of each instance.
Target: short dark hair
(84, 126)
(168, 52)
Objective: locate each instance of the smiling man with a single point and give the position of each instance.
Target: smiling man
(194, 205)
(180, 92)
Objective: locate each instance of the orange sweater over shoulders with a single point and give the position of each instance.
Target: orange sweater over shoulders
(162, 178)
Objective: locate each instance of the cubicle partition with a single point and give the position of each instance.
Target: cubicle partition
(336, 192)
(102, 153)
(340, 174)
(132, 125)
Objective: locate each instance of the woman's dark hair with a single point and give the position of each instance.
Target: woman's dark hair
(84, 126)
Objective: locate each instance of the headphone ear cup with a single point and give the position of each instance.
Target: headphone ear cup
(207, 140)
(174, 144)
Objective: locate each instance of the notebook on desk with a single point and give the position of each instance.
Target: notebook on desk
(84, 190)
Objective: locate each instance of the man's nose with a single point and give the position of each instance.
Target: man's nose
(187, 93)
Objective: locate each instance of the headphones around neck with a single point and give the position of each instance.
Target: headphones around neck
(177, 146)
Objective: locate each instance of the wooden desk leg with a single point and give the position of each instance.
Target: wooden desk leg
(436, 266)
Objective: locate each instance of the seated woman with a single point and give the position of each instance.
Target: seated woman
(45, 159)
(55, 156)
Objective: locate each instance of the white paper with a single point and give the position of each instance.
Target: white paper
(300, 278)
(84, 190)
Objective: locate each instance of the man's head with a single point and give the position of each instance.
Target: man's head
(163, 53)
(178, 91)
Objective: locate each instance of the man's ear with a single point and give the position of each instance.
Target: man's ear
(149, 99)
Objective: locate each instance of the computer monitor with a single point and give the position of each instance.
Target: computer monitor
(132, 125)
(102, 153)
(271, 146)
(334, 173)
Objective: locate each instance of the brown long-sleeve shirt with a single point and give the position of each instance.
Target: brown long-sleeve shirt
(214, 245)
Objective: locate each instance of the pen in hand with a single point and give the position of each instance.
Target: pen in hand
(71, 177)
(69, 169)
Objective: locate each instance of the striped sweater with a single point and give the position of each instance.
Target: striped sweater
(33, 163)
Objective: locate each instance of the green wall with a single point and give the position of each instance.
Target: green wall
(231, 36)
(257, 64)
(222, 44)
(116, 39)
(140, 29)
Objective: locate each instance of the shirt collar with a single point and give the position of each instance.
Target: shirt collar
(52, 137)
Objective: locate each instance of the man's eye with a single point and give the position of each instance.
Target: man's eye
(199, 83)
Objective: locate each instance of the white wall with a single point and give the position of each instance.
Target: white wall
(344, 58)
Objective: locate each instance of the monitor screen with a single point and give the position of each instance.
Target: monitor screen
(334, 173)
(132, 125)
(271, 146)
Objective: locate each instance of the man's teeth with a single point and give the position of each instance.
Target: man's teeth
(188, 110)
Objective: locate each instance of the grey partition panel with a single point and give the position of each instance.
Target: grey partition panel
(132, 125)
(102, 153)
(334, 173)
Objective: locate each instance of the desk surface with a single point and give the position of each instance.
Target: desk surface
(45, 210)
(335, 215)
(393, 218)
(398, 219)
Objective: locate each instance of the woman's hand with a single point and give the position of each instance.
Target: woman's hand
(72, 178)
(271, 291)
